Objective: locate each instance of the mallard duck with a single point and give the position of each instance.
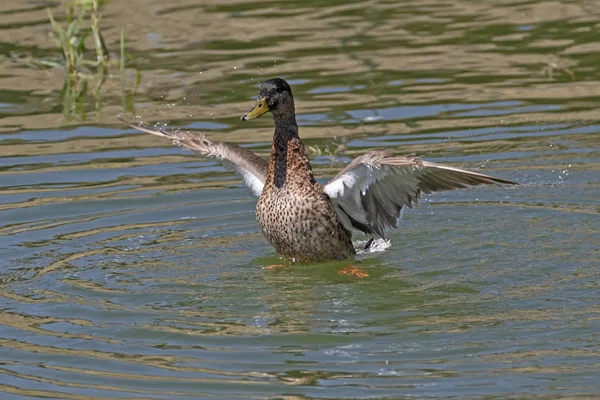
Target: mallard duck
(306, 221)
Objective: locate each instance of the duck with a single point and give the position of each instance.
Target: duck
(304, 220)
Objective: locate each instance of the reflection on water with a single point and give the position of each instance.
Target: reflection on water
(132, 269)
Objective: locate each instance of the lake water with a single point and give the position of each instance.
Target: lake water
(133, 269)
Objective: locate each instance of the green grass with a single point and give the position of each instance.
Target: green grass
(82, 18)
(83, 67)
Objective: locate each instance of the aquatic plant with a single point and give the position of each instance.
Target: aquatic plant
(83, 18)
(72, 38)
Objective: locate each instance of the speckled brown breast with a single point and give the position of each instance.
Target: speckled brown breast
(293, 212)
(303, 228)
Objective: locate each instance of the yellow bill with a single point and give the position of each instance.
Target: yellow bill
(259, 109)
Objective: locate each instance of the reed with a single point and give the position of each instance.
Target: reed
(83, 19)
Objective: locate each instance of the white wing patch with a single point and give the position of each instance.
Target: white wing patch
(337, 188)
(250, 180)
(253, 183)
(346, 191)
(356, 181)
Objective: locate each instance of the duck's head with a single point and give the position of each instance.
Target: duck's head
(274, 95)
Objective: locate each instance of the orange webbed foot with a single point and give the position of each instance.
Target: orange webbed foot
(353, 270)
(273, 267)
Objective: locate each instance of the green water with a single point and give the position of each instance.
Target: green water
(131, 268)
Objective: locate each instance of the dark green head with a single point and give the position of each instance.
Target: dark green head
(274, 95)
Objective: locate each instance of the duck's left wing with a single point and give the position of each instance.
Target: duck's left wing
(370, 193)
(250, 167)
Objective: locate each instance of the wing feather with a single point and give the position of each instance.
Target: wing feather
(371, 193)
(250, 167)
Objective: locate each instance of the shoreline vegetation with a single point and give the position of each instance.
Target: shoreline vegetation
(86, 69)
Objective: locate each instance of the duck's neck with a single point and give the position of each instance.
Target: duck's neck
(288, 163)
(286, 125)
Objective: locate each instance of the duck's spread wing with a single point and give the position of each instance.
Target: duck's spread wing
(370, 193)
(250, 167)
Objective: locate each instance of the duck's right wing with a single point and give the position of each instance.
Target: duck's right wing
(370, 193)
(250, 167)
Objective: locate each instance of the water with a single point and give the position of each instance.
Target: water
(133, 269)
